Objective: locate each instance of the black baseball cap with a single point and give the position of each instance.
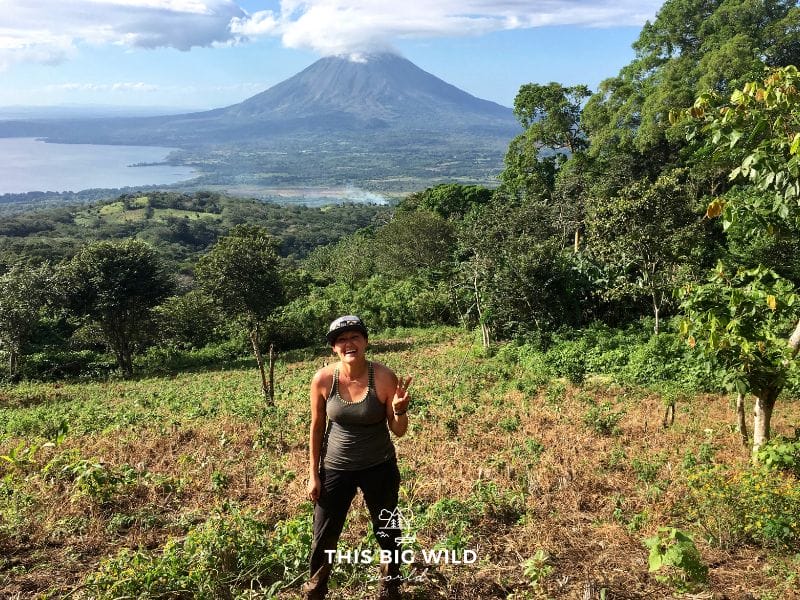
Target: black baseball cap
(345, 323)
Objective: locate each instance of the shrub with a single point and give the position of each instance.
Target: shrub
(526, 364)
(782, 454)
(537, 569)
(602, 419)
(224, 555)
(756, 506)
(675, 557)
(173, 359)
(381, 301)
(555, 393)
(451, 521)
(63, 364)
(647, 470)
(568, 359)
(665, 357)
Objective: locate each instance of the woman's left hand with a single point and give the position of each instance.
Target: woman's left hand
(401, 398)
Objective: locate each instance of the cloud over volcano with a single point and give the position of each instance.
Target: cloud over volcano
(338, 27)
(51, 31)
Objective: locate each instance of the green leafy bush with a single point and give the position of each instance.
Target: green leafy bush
(647, 469)
(220, 558)
(16, 508)
(102, 483)
(523, 366)
(568, 359)
(173, 359)
(67, 364)
(537, 569)
(676, 559)
(782, 454)
(602, 419)
(382, 302)
(755, 506)
(450, 521)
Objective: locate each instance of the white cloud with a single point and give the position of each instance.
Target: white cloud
(49, 31)
(358, 26)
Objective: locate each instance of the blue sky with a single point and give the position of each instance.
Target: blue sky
(210, 53)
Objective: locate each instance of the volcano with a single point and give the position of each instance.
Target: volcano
(335, 95)
(384, 90)
(379, 117)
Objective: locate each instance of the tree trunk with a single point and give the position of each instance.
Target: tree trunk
(120, 344)
(12, 363)
(762, 414)
(272, 374)
(128, 359)
(656, 310)
(577, 245)
(484, 327)
(741, 422)
(255, 340)
(124, 360)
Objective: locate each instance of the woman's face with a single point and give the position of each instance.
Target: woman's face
(350, 346)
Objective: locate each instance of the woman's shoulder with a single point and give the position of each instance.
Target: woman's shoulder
(383, 373)
(324, 376)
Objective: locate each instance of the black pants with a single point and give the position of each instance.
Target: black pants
(380, 485)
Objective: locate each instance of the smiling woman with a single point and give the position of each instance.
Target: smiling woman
(361, 401)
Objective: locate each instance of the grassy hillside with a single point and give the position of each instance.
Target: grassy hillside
(181, 226)
(188, 483)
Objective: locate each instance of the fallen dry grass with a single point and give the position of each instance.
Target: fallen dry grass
(531, 472)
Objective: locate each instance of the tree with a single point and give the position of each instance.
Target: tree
(191, 320)
(550, 116)
(24, 291)
(242, 274)
(648, 239)
(413, 241)
(450, 200)
(350, 260)
(740, 321)
(743, 321)
(690, 47)
(115, 284)
(516, 272)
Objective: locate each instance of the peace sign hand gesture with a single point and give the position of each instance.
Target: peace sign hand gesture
(401, 398)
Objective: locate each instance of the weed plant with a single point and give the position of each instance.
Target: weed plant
(758, 505)
(221, 558)
(201, 481)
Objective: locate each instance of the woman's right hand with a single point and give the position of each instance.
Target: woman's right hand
(314, 487)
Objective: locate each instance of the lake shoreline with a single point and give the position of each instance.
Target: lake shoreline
(30, 164)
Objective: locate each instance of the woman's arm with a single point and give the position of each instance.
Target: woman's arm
(394, 394)
(317, 431)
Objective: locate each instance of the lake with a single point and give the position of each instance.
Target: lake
(30, 165)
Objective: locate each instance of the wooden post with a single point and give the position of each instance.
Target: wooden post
(255, 341)
(272, 374)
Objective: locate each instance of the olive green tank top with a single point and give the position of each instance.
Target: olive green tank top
(357, 436)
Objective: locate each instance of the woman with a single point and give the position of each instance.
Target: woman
(361, 401)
